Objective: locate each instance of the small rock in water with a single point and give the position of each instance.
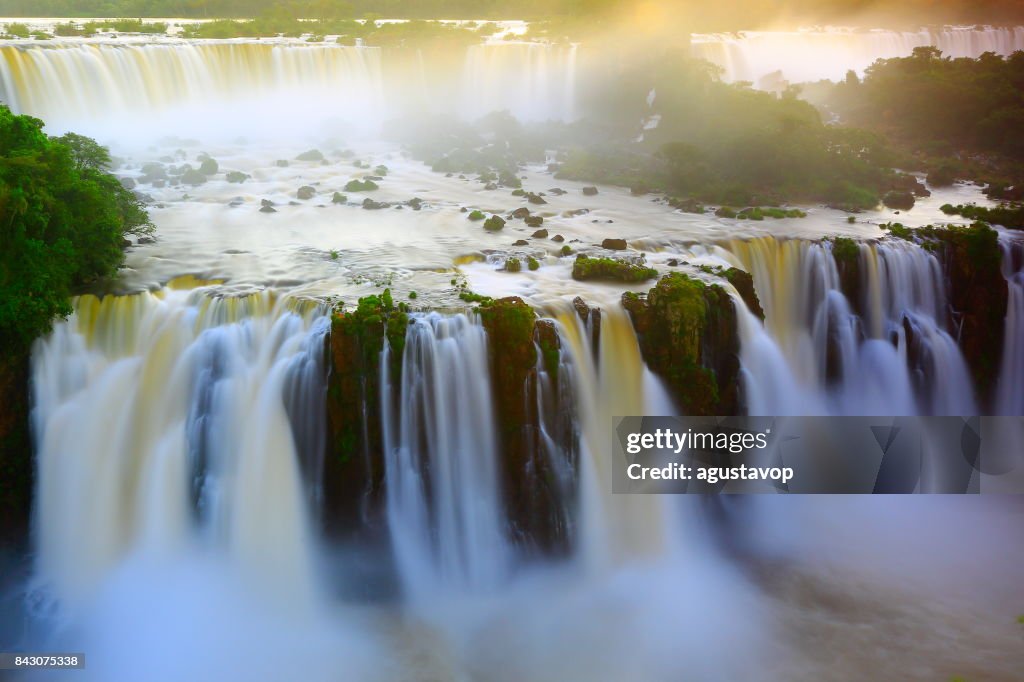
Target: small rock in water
(534, 221)
(672, 262)
(305, 192)
(415, 203)
(558, 238)
(557, 191)
(520, 242)
(540, 234)
(267, 209)
(535, 198)
(311, 155)
(266, 202)
(521, 213)
(614, 244)
(338, 198)
(128, 183)
(589, 191)
(281, 163)
(371, 205)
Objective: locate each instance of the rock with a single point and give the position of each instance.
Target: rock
(305, 193)
(610, 270)
(521, 213)
(16, 457)
(236, 176)
(558, 238)
(589, 191)
(476, 215)
(193, 177)
(519, 192)
(540, 234)
(311, 155)
(533, 221)
(513, 265)
(577, 212)
(898, 199)
(371, 205)
(744, 285)
(415, 203)
(209, 166)
(490, 186)
(146, 239)
(127, 183)
(361, 186)
(535, 198)
(614, 244)
(688, 336)
(281, 163)
(267, 209)
(520, 242)
(494, 223)
(354, 465)
(557, 191)
(672, 263)
(338, 198)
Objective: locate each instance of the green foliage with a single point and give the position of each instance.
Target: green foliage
(845, 250)
(17, 30)
(610, 269)
(64, 220)
(1007, 215)
(935, 102)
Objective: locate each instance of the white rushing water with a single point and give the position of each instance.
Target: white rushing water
(441, 455)
(815, 54)
(819, 353)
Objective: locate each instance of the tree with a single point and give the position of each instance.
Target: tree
(63, 220)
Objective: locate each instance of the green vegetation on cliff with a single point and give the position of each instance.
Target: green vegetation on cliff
(64, 222)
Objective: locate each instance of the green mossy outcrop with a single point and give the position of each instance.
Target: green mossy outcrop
(978, 294)
(846, 253)
(586, 268)
(354, 468)
(687, 333)
(530, 484)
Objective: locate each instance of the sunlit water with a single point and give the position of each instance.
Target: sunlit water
(175, 531)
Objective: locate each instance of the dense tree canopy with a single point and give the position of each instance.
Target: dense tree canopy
(63, 220)
(939, 103)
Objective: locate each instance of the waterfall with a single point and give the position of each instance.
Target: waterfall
(212, 87)
(532, 81)
(1010, 389)
(444, 505)
(815, 54)
(886, 350)
(163, 423)
(612, 380)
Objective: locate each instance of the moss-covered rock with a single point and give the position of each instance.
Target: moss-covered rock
(236, 176)
(978, 294)
(742, 281)
(687, 333)
(610, 270)
(846, 253)
(361, 186)
(494, 223)
(311, 155)
(899, 199)
(354, 469)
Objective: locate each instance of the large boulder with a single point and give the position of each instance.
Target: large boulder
(688, 336)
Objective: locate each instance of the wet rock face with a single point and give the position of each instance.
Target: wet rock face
(978, 295)
(517, 340)
(16, 471)
(743, 282)
(688, 336)
(354, 466)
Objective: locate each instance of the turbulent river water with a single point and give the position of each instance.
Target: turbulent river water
(180, 420)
